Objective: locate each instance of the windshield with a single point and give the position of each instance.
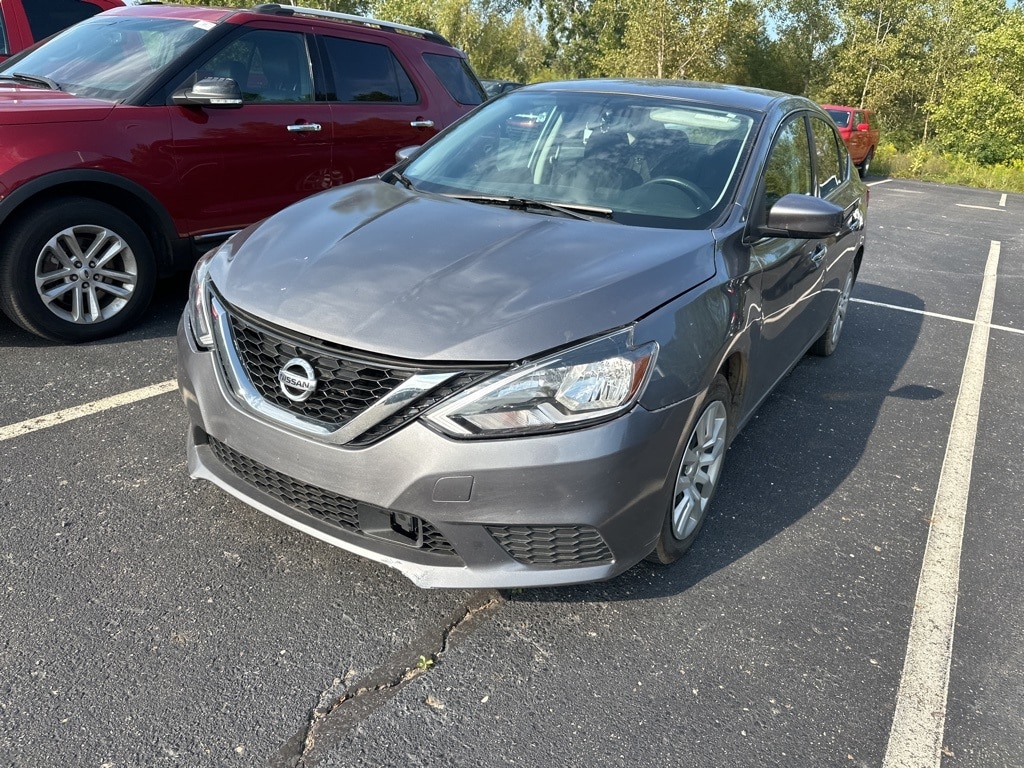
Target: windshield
(839, 117)
(637, 160)
(107, 58)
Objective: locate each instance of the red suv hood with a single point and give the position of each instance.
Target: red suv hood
(22, 106)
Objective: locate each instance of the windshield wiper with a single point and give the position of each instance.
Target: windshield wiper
(401, 179)
(21, 77)
(585, 212)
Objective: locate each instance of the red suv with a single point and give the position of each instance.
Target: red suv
(134, 141)
(23, 22)
(859, 131)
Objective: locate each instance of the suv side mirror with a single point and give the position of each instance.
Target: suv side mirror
(212, 92)
(802, 216)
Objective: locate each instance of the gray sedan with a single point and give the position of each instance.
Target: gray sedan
(519, 356)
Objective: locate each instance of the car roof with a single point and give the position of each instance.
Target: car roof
(719, 94)
(272, 10)
(846, 109)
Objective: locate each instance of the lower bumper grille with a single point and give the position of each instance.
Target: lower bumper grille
(330, 507)
(552, 545)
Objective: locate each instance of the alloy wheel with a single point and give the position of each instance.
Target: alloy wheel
(699, 470)
(86, 274)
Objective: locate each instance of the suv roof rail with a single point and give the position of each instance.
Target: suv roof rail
(292, 10)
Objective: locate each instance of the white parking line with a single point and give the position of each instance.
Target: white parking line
(70, 414)
(1002, 201)
(965, 320)
(915, 740)
(876, 183)
(980, 207)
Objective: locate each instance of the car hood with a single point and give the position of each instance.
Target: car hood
(22, 106)
(379, 268)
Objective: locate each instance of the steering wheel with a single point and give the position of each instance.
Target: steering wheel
(700, 199)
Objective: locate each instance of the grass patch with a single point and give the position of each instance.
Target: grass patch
(926, 164)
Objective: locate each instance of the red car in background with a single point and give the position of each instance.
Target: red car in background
(859, 132)
(24, 22)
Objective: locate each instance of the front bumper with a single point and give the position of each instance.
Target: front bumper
(562, 508)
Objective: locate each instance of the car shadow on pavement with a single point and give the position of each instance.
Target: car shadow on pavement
(798, 449)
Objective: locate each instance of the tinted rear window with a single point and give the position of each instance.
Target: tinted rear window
(48, 16)
(367, 72)
(841, 117)
(457, 78)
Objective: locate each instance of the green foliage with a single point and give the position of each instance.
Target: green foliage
(927, 163)
(983, 117)
(500, 37)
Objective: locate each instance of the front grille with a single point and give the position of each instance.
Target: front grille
(332, 508)
(552, 545)
(348, 383)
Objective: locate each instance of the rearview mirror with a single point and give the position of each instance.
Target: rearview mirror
(212, 92)
(802, 216)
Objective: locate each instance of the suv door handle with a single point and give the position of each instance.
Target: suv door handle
(305, 128)
(819, 254)
(422, 123)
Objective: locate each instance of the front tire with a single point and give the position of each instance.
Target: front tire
(697, 475)
(75, 270)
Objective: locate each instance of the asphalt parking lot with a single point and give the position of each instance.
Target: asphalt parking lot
(856, 598)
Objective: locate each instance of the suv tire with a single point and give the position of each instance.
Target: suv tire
(75, 270)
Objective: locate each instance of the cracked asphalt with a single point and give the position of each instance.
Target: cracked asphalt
(149, 620)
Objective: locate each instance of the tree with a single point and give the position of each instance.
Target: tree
(983, 117)
(498, 35)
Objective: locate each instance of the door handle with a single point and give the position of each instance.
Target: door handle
(819, 254)
(304, 128)
(422, 123)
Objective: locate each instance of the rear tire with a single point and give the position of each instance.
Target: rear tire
(696, 475)
(829, 340)
(865, 164)
(75, 270)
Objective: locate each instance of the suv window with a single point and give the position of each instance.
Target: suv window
(48, 16)
(5, 47)
(827, 166)
(367, 72)
(789, 167)
(269, 66)
(456, 77)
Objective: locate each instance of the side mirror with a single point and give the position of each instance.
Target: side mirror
(863, 127)
(212, 92)
(803, 216)
(406, 153)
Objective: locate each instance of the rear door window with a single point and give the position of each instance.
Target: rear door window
(457, 78)
(367, 72)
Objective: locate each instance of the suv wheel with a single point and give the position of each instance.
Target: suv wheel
(75, 270)
(865, 164)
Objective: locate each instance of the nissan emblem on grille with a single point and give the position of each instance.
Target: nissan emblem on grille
(297, 379)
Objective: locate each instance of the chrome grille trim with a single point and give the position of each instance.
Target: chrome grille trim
(237, 383)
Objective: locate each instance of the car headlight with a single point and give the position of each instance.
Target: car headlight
(198, 308)
(592, 382)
